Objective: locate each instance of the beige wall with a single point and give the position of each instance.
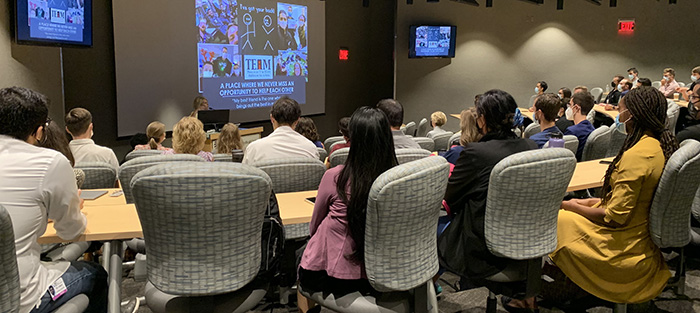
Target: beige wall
(34, 67)
(514, 44)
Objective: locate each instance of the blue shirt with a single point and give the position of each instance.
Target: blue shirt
(542, 137)
(581, 131)
(453, 154)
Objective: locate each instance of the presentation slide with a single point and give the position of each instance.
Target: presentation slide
(433, 41)
(55, 20)
(251, 52)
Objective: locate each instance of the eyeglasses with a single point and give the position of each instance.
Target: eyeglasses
(48, 121)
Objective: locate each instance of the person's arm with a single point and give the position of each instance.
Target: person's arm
(465, 176)
(585, 209)
(62, 201)
(326, 190)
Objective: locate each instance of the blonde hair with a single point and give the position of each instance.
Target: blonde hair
(467, 124)
(188, 136)
(198, 100)
(230, 139)
(155, 131)
(438, 118)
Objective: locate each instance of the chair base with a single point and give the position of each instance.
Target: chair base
(239, 301)
(390, 302)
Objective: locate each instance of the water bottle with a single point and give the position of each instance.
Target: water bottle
(556, 140)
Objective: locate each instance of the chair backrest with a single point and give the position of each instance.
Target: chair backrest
(442, 141)
(597, 93)
(672, 113)
(571, 143)
(98, 175)
(402, 213)
(597, 144)
(335, 144)
(338, 157)
(423, 128)
(617, 140)
(532, 100)
(410, 128)
(330, 140)
(140, 153)
(130, 168)
(9, 278)
(237, 155)
(202, 225)
(521, 223)
(425, 143)
(656, 84)
(409, 155)
(669, 216)
(531, 129)
(454, 139)
(681, 84)
(293, 174)
(696, 205)
(223, 157)
(591, 116)
(322, 154)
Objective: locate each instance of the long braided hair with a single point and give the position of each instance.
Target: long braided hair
(647, 107)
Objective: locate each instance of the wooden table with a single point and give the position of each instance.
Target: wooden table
(610, 113)
(588, 174)
(681, 103)
(106, 199)
(524, 111)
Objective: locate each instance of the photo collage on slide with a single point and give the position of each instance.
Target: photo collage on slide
(258, 41)
(56, 19)
(432, 40)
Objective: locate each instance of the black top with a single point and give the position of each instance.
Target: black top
(562, 123)
(462, 246)
(613, 97)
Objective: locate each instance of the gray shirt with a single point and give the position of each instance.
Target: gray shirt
(402, 141)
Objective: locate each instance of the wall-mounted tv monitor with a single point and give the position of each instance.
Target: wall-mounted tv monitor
(432, 41)
(53, 22)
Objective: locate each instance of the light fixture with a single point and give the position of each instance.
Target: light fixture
(596, 2)
(469, 2)
(560, 4)
(535, 1)
(613, 3)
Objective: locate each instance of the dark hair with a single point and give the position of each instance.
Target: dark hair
(371, 154)
(644, 81)
(543, 84)
(343, 124)
(619, 79)
(633, 70)
(549, 104)
(498, 109)
(648, 107)
(285, 111)
(138, 139)
(566, 91)
(476, 99)
(670, 71)
(696, 70)
(78, 121)
(55, 138)
(22, 111)
(307, 128)
(393, 110)
(584, 99)
(629, 84)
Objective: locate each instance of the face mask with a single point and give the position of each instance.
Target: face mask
(620, 126)
(693, 78)
(569, 114)
(619, 87)
(207, 74)
(537, 90)
(666, 78)
(612, 84)
(631, 76)
(560, 96)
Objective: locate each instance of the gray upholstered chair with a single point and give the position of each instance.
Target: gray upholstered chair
(672, 113)
(140, 153)
(442, 141)
(79, 177)
(130, 168)
(656, 84)
(531, 129)
(423, 128)
(98, 175)
(531, 102)
(9, 276)
(454, 139)
(597, 93)
(330, 141)
(338, 157)
(425, 143)
(322, 154)
(520, 226)
(597, 144)
(617, 140)
(335, 144)
(400, 241)
(223, 157)
(293, 174)
(570, 143)
(408, 155)
(591, 116)
(202, 224)
(410, 128)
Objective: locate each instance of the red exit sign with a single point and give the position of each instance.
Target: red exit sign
(344, 54)
(625, 26)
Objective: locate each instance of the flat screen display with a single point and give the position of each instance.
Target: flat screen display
(54, 22)
(428, 41)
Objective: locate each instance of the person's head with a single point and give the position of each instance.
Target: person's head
(394, 112)
(23, 114)
(669, 74)
(285, 112)
(207, 70)
(616, 80)
(200, 103)
(79, 123)
(297, 69)
(202, 24)
(232, 34)
(695, 74)
(138, 139)
(540, 87)
(547, 107)
(55, 138)
(229, 139)
(307, 128)
(156, 134)
(301, 21)
(343, 125)
(282, 19)
(581, 103)
(695, 95)
(624, 85)
(188, 136)
(224, 53)
(438, 118)
(467, 124)
(644, 82)
(643, 111)
(632, 73)
(564, 93)
(371, 154)
(578, 89)
(495, 113)
(476, 99)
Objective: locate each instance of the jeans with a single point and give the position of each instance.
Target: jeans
(80, 278)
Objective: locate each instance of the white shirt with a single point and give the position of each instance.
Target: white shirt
(435, 131)
(85, 150)
(36, 183)
(284, 142)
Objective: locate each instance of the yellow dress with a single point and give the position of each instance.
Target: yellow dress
(621, 265)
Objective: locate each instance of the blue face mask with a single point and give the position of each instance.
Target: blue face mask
(620, 126)
(619, 87)
(693, 78)
(631, 76)
(537, 90)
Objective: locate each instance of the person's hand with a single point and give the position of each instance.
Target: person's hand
(587, 202)
(567, 205)
(609, 107)
(82, 201)
(663, 82)
(532, 109)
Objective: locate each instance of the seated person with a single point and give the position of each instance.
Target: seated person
(624, 87)
(692, 126)
(669, 83)
(307, 128)
(333, 259)
(394, 112)
(199, 104)
(437, 119)
(613, 97)
(686, 91)
(79, 126)
(633, 75)
(643, 82)
(55, 138)
(284, 142)
(343, 128)
(467, 187)
(189, 138)
(580, 88)
(564, 93)
(579, 107)
(540, 88)
(546, 109)
(562, 122)
(156, 135)
(38, 184)
(229, 140)
(469, 133)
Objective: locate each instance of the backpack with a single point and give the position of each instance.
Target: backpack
(272, 240)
